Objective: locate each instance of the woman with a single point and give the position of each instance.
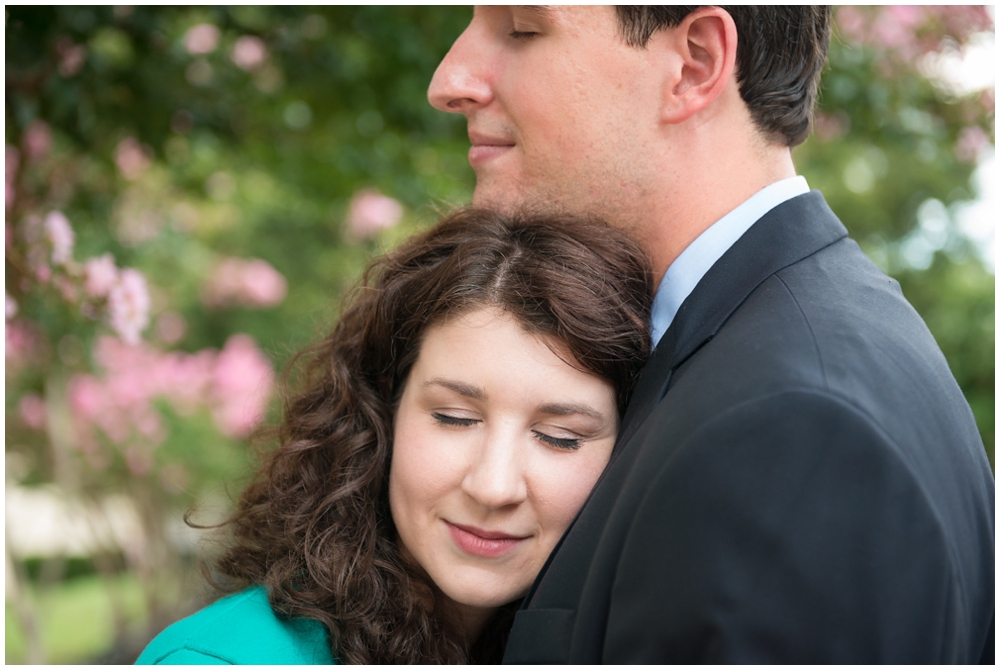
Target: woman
(448, 432)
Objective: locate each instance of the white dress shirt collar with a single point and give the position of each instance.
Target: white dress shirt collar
(688, 268)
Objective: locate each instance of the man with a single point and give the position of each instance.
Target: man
(798, 477)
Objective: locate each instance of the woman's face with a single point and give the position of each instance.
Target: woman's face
(498, 442)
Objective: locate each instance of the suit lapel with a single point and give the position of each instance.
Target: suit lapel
(793, 230)
(788, 233)
(649, 390)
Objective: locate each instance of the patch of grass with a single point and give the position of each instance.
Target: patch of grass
(14, 651)
(76, 618)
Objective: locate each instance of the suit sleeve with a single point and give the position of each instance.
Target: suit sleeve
(789, 530)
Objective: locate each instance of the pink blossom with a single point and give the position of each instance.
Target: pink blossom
(128, 305)
(92, 403)
(60, 235)
(37, 140)
(370, 211)
(22, 341)
(137, 373)
(961, 21)
(85, 440)
(262, 284)
(241, 386)
(67, 288)
(185, 379)
(988, 99)
(13, 160)
(249, 52)
(907, 32)
(131, 387)
(909, 16)
(71, 56)
(17, 344)
(132, 158)
(252, 283)
(99, 276)
(831, 126)
(233, 385)
(971, 140)
(149, 425)
(11, 306)
(32, 410)
(170, 327)
(86, 396)
(851, 22)
(889, 32)
(119, 404)
(201, 39)
(115, 356)
(224, 284)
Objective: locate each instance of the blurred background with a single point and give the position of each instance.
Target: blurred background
(189, 191)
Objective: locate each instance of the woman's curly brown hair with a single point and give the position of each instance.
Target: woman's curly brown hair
(314, 525)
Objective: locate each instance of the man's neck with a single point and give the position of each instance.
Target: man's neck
(701, 192)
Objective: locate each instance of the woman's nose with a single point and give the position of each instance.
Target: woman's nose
(496, 477)
(458, 84)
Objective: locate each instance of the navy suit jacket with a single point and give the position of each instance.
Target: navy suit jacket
(798, 479)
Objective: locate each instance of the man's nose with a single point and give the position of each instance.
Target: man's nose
(459, 84)
(496, 475)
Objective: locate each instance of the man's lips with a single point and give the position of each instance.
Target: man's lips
(485, 148)
(483, 543)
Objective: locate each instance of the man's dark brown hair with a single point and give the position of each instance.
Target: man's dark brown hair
(780, 52)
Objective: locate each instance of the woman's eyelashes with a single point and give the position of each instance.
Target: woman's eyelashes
(558, 442)
(449, 420)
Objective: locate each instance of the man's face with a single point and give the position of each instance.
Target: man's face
(561, 113)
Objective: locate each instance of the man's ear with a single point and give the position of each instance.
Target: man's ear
(703, 59)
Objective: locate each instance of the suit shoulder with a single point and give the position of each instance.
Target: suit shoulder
(240, 629)
(796, 420)
(779, 529)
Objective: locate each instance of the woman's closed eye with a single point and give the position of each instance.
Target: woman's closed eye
(570, 443)
(450, 420)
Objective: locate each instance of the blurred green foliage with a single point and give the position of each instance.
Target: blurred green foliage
(172, 141)
(356, 78)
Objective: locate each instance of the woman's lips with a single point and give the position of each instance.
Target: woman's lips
(482, 543)
(482, 153)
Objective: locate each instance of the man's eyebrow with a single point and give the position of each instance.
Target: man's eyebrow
(566, 409)
(461, 388)
(543, 11)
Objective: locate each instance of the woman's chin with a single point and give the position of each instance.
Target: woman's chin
(476, 593)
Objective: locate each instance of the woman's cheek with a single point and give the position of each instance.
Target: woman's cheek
(566, 483)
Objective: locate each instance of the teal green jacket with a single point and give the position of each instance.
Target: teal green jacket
(240, 629)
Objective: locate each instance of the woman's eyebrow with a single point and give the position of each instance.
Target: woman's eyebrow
(565, 409)
(461, 388)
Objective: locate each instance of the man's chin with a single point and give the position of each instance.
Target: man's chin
(508, 199)
(499, 199)
(533, 204)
